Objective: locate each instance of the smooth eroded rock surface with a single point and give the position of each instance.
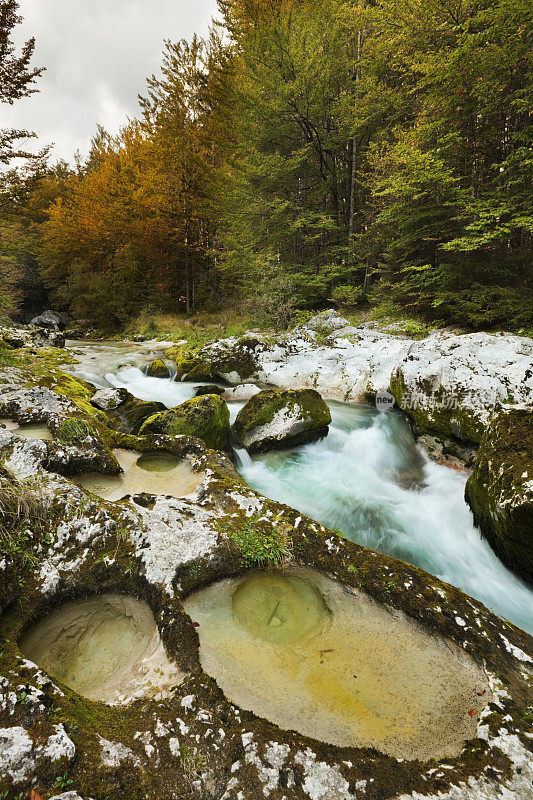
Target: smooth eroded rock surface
(298, 649)
(104, 647)
(154, 473)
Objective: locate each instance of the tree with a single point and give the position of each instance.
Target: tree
(17, 76)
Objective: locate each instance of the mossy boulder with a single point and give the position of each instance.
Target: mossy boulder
(190, 364)
(157, 369)
(130, 415)
(500, 489)
(205, 417)
(275, 419)
(210, 388)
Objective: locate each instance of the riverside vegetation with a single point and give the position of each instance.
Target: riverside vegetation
(376, 154)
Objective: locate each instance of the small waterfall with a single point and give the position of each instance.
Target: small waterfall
(244, 461)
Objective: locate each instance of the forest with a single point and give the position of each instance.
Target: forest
(376, 156)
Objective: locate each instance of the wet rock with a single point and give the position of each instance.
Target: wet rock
(209, 388)
(157, 369)
(130, 415)
(275, 419)
(57, 320)
(109, 399)
(500, 489)
(448, 452)
(205, 417)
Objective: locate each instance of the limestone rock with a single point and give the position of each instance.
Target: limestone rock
(109, 399)
(455, 384)
(205, 417)
(500, 489)
(274, 419)
(57, 320)
(324, 323)
(158, 369)
(129, 416)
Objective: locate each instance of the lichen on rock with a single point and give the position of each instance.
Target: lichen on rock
(500, 489)
(206, 417)
(276, 419)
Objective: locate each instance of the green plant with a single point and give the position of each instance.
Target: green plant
(19, 507)
(349, 297)
(261, 547)
(63, 781)
(74, 431)
(193, 762)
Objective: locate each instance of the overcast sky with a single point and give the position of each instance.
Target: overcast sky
(98, 54)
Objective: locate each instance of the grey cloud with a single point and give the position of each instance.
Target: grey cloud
(98, 54)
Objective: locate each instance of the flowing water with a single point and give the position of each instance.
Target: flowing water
(366, 478)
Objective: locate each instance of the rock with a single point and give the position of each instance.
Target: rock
(78, 447)
(323, 324)
(447, 452)
(163, 550)
(138, 337)
(274, 420)
(157, 369)
(45, 337)
(209, 388)
(205, 417)
(32, 337)
(455, 384)
(109, 399)
(129, 416)
(500, 489)
(448, 383)
(241, 393)
(57, 320)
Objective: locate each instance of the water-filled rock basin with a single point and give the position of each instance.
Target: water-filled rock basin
(105, 647)
(158, 473)
(29, 431)
(308, 654)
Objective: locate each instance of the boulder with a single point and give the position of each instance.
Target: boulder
(323, 324)
(157, 369)
(109, 399)
(205, 417)
(275, 420)
(129, 416)
(454, 385)
(209, 388)
(500, 489)
(56, 320)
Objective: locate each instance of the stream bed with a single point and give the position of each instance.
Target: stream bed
(367, 479)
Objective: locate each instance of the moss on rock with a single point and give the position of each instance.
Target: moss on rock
(500, 490)
(276, 419)
(158, 369)
(205, 417)
(129, 416)
(190, 365)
